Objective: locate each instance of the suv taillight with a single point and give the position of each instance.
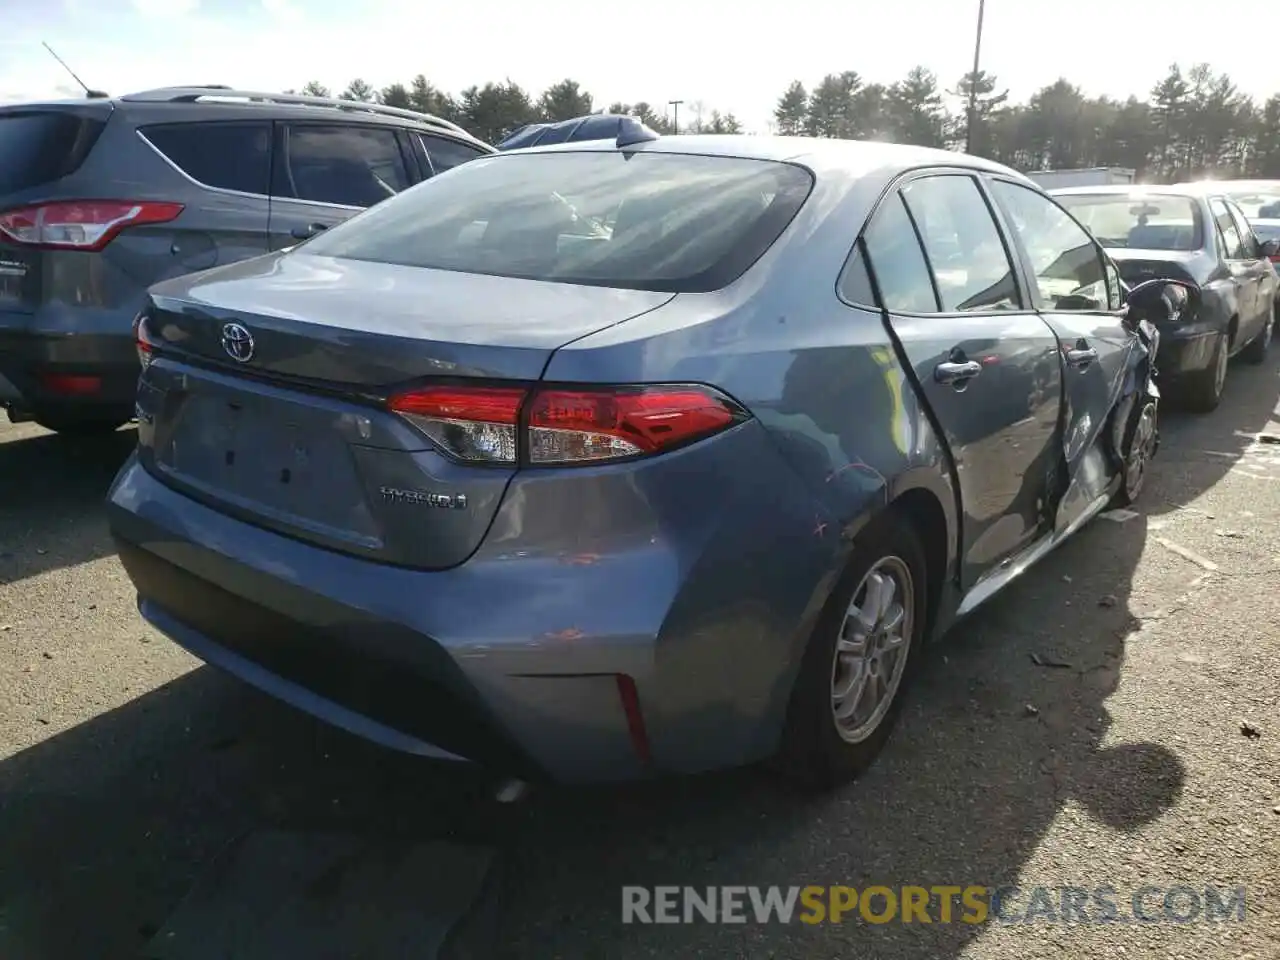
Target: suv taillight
(143, 340)
(81, 224)
(554, 426)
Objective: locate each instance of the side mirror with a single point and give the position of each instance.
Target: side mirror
(1271, 249)
(1160, 301)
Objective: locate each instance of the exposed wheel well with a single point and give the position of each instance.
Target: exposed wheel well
(1232, 326)
(923, 511)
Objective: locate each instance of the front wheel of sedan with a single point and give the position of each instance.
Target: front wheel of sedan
(1141, 438)
(859, 660)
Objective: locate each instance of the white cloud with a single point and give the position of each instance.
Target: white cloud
(284, 11)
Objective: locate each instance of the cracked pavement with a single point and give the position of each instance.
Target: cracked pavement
(1087, 727)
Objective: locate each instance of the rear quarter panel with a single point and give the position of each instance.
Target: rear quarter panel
(846, 436)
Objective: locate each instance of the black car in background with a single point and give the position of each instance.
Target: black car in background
(595, 126)
(1195, 233)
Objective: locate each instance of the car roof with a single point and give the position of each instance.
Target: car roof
(1190, 191)
(224, 102)
(853, 158)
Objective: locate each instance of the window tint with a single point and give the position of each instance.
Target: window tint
(232, 156)
(40, 147)
(1230, 235)
(855, 282)
(1250, 243)
(446, 154)
(901, 272)
(348, 165)
(1066, 261)
(647, 221)
(960, 237)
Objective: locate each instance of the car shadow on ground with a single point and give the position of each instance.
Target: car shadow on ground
(104, 827)
(51, 493)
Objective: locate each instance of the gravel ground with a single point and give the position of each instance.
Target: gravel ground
(1113, 719)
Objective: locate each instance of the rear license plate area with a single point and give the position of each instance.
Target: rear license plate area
(270, 456)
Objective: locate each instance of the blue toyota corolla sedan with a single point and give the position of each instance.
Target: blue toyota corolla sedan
(640, 456)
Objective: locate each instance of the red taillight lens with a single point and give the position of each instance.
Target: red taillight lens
(565, 427)
(143, 340)
(575, 426)
(81, 224)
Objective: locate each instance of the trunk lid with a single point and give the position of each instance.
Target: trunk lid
(374, 324)
(1138, 266)
(295, 438)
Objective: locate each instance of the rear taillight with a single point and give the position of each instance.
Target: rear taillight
(143, 340)
(81, 224)
(555, 426)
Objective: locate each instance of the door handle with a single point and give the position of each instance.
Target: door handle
(956, 372)
(1081, 356)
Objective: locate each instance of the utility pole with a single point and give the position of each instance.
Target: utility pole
(973, 82)
(675, 114)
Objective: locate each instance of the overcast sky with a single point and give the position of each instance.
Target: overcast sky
(732, 56)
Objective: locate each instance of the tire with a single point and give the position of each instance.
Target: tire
(79, 426)
(819, 752)
(1256, 351)
(1141, 440)
(1203, 390)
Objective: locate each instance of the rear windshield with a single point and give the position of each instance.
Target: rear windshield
(644, 221)
(1257, 202)
(1137, 221)
(38, 147)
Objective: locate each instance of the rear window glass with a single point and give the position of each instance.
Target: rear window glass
(232, 156)
(644, 221)
(1139, 222)
(1258, 202)
(39, 147)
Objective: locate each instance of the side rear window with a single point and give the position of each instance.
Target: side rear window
(901, 271)
(229, 156)
(970, 264)
(1230, 235)
(347, 165)
(38, 147)
(446, 154)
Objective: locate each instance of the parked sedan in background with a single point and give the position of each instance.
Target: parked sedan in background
(1193, 232)
(1259, 201)
(476, 478)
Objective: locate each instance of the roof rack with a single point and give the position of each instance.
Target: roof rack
(219, 93)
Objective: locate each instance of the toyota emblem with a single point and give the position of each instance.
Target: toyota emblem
(237, 342)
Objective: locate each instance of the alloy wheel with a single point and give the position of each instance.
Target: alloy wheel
(1141, 450)
(872, 649)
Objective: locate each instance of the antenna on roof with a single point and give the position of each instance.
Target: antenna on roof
(88, 92)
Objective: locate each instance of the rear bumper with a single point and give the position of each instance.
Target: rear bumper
(34, 365)
(1185, 351)
(513, 659)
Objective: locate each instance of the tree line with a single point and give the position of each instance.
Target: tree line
(1195, 122)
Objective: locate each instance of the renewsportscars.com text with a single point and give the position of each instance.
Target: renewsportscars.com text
(935, 904)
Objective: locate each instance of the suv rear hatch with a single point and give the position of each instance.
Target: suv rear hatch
(39, 145)
(268, 384)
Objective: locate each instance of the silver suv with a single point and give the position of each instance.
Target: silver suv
(101, 198)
